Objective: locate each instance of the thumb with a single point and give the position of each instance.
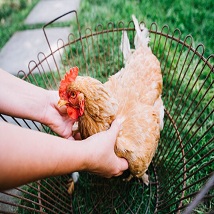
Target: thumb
(62, 109)
(123, 163)
(115, 128)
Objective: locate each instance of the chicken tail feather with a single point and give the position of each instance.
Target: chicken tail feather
(125, 46)
(159, 105)
(142, 34)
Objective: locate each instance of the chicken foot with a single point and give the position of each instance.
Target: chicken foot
(70, 186)
(129, 178)
(74, 178)
(144, 178)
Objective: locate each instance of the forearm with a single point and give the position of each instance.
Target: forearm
(21, 99)
(30, 155)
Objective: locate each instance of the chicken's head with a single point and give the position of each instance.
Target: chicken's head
(69, 96)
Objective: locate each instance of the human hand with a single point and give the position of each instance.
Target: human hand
(57, 118)
(102, 159)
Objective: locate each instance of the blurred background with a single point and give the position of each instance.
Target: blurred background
(193, 17)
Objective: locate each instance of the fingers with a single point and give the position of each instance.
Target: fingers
(114, 129)
(117, 124)
(62, 109)
(124, 164)
(77, 136)
(71, 138)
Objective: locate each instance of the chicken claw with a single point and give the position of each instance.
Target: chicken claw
(144, 178)
(74, 178)
(129, 178)
(70, 186)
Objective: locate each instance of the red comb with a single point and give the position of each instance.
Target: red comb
(69, 77)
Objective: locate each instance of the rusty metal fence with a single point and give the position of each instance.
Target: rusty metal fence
(183, 163)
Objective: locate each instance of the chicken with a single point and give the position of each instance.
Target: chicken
(133, 95)
(88, 102)
(137, 88)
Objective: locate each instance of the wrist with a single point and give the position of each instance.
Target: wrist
(48, 107)
(77, 156)
(89, 160)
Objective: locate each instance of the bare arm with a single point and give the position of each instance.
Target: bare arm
(28, 155)
(19, 98)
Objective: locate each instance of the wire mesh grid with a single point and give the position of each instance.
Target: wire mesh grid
(184, 159)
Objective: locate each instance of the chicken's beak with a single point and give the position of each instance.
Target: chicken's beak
(62, 103)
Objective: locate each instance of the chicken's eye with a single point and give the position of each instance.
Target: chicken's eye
(73, 95)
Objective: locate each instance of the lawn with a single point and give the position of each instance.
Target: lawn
(12, 15)
(193, 17)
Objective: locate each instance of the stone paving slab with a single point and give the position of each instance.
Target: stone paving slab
(6, 208)
(47, 10)
(25, 46)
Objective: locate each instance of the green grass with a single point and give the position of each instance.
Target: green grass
(112, 195)
(12, 16)
(193, 17)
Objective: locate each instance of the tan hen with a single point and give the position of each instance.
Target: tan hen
(133, 95)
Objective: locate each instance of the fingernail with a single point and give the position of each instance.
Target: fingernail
(120, 122)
